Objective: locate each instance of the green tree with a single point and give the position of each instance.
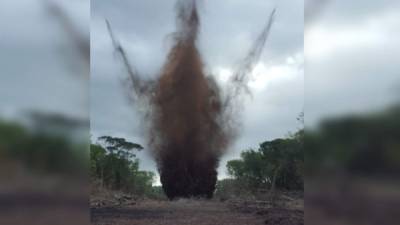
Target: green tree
(277, 163)
(120, 146)
(116, 166)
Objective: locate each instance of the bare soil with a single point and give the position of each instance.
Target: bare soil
(38, 208)
(196, 212)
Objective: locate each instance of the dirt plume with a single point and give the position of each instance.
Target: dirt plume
(191, 119)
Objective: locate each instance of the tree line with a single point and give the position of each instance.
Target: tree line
(41, 151)
(113, 163)
(275, 164)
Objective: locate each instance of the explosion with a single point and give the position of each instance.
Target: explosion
(191, 118)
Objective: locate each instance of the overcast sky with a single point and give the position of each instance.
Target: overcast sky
(40, 67)
(228, 28)
(351, 48)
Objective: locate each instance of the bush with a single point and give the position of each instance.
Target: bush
(277, 163)
(116, 167)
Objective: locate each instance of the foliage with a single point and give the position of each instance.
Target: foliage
(39, 151)
(232, 188)
(359, 144)
(278, 162)
(117, 167)
(120, 146)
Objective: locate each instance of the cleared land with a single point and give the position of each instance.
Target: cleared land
(198, 212)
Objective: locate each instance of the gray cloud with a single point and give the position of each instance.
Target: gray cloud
(356, 69)
(40, 67)
(227, 31)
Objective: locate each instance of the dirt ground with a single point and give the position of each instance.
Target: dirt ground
(196, 212)
(42, 209)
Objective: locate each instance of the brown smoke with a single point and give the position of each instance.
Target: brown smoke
(191, 119)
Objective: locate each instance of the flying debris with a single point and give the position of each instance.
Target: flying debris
(190, 118)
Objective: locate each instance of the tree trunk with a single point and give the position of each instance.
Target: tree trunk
(102, 177)
(272, 190)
